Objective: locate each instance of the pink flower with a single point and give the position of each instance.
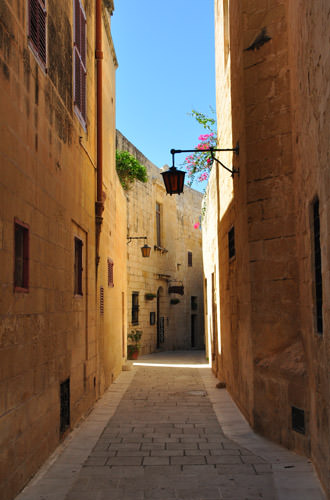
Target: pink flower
(196, 226)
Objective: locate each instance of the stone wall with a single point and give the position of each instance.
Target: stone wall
(310, 86)
(48, 334)
(272, 94)
(168, 262)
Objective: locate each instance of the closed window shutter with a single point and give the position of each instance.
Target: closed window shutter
(82, 38)
(110, 273)
(37, 27)
(77, 25)
(80, 59)
(77, 79)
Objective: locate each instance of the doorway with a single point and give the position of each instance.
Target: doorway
(160, 319)
(214, 328)
(193, 330)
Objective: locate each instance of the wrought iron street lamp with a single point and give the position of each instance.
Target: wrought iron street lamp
(145, 250)
(174, 178)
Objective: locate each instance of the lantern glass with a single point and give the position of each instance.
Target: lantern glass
(173, 180)
(145, 251)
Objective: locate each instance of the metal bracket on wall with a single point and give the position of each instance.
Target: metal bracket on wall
(235, 150)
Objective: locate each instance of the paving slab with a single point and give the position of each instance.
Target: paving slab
(166, 432)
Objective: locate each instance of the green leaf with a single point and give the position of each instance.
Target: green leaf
(129, 169)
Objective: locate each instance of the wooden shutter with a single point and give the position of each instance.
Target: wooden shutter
(80, 59)
(110, 273)
(37, 27)
(78, 269)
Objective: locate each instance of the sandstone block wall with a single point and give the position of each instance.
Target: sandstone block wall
(168, 262)
(47, 162)
(272, 85)
(310, 84)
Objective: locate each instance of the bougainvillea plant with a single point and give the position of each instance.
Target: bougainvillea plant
(199, 164)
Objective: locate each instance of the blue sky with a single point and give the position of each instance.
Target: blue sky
(165, 51)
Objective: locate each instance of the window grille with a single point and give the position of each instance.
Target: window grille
(21, 264)
(78, 269)
(231, 243)
(110, 273)
(37, 28)
(79, 53)
(317, 267)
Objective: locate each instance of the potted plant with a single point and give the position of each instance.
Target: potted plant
(133, 348)
(174, 301)
(150, 296)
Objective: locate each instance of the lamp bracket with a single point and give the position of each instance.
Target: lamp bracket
(130, 238)
(235, 150)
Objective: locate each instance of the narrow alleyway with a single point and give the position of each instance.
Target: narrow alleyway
(164, 432)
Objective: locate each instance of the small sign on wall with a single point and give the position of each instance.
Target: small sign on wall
(176, 289)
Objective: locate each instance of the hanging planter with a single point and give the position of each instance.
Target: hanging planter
(150, 296)
(174, 301)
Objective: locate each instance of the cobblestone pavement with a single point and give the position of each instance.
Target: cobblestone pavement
(164, 441)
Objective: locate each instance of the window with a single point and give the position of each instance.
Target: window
(152, 318)
(78, 269)
(79, 60)
(135, 308)
(110, 273)
(226, 30)
(190, 259)
(194, 303)
(158, 224)
(21, 265)
(317, 267)
(231, 243)
(37, 28)
(64, 405)
(298, 420)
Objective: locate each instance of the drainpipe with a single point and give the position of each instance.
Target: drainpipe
(99, 205)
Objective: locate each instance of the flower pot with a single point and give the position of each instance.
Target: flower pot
(132, 352)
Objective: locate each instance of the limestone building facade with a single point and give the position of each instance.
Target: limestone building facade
(62, 227)
(168, 320)
(266, 232)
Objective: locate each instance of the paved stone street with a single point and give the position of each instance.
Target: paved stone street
(164, 432)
